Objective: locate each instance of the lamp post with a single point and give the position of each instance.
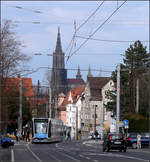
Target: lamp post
(118, 98)
(0, 92)
(149, 89)
(20, 105)
(0, 100)
(95, 116)
(49, 103)
(76, 123)
(149, 101)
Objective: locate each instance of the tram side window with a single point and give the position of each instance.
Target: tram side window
(53, 129)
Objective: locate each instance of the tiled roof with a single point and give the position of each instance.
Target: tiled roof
(13, 83)
(96, 84)
(76, 81)
(74, 93)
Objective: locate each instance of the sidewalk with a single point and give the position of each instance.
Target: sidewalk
(21, 142)
(99, 143)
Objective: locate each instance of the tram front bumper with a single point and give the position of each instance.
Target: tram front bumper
(41, 140)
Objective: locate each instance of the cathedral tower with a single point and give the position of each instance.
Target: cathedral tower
(59, 73)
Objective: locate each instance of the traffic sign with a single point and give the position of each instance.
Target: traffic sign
(126, 122)
(120, 123)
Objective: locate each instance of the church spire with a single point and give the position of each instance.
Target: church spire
(78, 76)
(58, 44)
(89, 72)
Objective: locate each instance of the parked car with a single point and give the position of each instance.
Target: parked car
(92, 136)
(6, 142)
(132, 140)
(115, 141)
(12, 136)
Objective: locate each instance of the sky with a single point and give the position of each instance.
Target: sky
(129, 23)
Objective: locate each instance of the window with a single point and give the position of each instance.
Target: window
(106, 92)
(86, 116)
(41, 127)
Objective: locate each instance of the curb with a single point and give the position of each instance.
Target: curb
(93, 143)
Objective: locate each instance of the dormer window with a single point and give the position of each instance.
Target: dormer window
(111, 83)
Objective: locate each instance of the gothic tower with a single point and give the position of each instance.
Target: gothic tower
(78, 76)
(59, 73)
(89, 72)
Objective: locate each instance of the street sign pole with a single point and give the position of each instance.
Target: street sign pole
(126, 125)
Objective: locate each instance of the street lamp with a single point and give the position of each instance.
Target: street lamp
(95, 116)
(20, 105)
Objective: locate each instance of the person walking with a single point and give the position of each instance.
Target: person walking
(96, 135)
(16, 134)
(23, 135)
(28, 135)
(139, 141)
(80, 135)
(68, 136)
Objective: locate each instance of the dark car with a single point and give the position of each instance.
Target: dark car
(6, 142)
(132, 140)
(92, 136)
(115, 141)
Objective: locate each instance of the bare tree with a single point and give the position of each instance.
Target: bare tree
(11, 56)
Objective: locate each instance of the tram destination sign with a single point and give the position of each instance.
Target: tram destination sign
(41, 120)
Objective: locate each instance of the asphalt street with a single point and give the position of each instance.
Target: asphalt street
(74, 151)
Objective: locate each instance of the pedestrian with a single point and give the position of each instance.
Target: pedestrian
(96, 135)
(139, 141)
(80, 134)
(28, 135)
(65, 133)
(23, 135)
(68, 136)
(16, 134)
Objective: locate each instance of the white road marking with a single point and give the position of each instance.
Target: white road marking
(54, 157)
(69, 156)
(95, 160)
(34, 154)
(117, 155)
(81, 155)
(87, 158)
(12, 155)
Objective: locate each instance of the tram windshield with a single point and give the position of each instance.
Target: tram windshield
(41, 127)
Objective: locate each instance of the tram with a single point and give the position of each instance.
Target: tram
(47, 130)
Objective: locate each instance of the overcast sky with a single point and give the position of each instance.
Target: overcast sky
(129, 23)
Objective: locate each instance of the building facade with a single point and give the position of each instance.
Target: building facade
(93, 107)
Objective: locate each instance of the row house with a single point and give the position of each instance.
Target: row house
(69, 109)
(83, 108)
(94, 100)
